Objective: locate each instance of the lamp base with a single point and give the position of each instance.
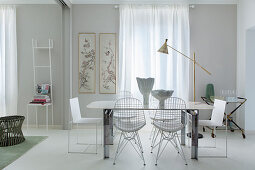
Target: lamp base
(199, 135)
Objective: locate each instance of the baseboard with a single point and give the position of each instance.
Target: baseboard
(250, 132)
(60, 127)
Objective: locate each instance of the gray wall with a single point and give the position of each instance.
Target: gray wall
(92, 19)
(213, 38)
(40, 22)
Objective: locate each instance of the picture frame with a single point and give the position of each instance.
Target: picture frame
(87, 62)
(107, 63)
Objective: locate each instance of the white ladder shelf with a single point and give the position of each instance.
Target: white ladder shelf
(35, 67)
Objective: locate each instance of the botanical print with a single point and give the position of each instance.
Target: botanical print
(87, 62)
(107, 63)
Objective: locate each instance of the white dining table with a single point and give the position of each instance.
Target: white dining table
(192, 108)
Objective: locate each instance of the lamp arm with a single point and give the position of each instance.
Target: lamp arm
(203, 68)
(191, 60)
(181, 53)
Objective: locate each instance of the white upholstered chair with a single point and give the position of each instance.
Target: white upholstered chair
(78, 120)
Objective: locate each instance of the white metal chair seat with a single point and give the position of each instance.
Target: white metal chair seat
(209, 123)
(77, 119)
(129, 125)
(217, 120)
(89, 120)
(168, 126)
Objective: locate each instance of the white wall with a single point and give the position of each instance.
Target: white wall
(250, 81)
(40, 22)
(246, 21)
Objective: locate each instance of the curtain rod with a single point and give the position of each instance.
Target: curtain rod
(191, 6)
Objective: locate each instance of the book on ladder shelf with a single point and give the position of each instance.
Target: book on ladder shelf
(43, 94)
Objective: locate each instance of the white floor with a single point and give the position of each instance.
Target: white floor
(51, 154)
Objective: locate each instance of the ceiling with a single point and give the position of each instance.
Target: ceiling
(121, 1)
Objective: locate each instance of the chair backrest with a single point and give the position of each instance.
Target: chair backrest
(125, 118)
(171, 118)
(124, 94)
(218, 112)
(75, 109)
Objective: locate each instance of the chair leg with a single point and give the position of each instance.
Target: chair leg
(154, 139)
(139, 144)
(226, 133)
(96, 138)
(181, 150)
(214, 130)
(102, 133)
(152, 132)
(159, 147)
(118, 147)
(77, 127)
(68, 143)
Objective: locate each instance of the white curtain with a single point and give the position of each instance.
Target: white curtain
(143, 29)
(8, 61)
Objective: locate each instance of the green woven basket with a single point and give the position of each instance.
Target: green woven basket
(10, 130)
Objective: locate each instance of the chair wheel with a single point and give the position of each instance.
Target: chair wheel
(156, 164)
(213, 135)
(151, 152)
(243, 135)
(113, 163)
(144, 164)
(186, 164)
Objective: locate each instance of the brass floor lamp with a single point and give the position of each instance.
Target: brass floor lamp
(164, 49)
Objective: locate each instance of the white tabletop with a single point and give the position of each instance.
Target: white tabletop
(110, 105)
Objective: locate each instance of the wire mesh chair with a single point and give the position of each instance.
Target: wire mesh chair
(123, 94)
(154, 103)
(129, 121)
(168, 123)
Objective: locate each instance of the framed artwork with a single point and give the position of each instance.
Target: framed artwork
(107, 62)
(87, 62)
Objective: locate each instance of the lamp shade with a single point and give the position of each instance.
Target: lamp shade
(163, 48)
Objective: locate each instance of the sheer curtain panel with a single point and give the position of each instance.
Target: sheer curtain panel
(143, 29)
(8, 61)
